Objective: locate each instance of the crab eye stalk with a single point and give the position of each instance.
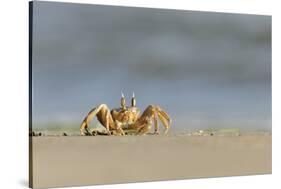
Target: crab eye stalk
(123, 101)
(133, 101)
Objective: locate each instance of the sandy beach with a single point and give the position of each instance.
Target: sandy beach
(88, 160)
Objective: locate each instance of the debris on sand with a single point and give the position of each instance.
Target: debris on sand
(215, 132)
(218, 132)
(203, 133)
(35, 134)
(97, 132)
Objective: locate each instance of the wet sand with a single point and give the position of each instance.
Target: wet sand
(88, 160)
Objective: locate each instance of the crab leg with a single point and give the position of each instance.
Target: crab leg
(107, 122)
(164, 118)
(90, 116)
(151, 114)
(156, 127)
(103, 115)
(165, 122)
(144, 128)
(84, 126)
(164, 114)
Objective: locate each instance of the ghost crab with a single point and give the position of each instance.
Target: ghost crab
(117, 120)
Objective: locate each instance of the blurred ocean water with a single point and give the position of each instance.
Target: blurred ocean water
(207, 70)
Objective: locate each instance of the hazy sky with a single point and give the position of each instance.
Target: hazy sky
(205, 69)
